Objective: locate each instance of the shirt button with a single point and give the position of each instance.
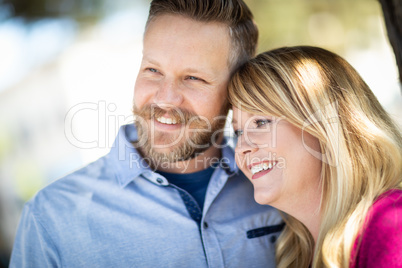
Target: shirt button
(205, 225)
(273, 239)
(159, 180)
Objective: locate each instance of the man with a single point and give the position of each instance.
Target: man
(169, 195)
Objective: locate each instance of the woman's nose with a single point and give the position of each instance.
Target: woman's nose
(245, 145)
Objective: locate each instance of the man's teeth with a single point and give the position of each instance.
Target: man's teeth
(261, 167)
(165, 120)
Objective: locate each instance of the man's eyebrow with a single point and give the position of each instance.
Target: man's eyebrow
(152, 61)
(189, 69)
(193, 70)
(208, 75)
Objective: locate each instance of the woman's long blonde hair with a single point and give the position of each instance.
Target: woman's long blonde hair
(361, 147)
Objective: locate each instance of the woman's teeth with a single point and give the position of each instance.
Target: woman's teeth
(165, 120)
(264, 166)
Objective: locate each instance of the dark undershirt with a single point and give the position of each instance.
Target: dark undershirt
(194, 183)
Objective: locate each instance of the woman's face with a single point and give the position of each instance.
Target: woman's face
(272, 153)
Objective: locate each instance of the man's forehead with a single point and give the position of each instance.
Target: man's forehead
(176, 28)
(186, 21)
(196, 47)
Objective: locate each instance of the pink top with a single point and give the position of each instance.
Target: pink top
(381, 236)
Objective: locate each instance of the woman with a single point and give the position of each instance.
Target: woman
(316, 144)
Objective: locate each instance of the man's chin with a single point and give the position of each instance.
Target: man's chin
(166, 142)
(161, 152)
(173, 154)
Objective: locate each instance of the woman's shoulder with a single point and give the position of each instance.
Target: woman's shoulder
(380, 243)
(386, 212)
(389, 201)
(392, 194)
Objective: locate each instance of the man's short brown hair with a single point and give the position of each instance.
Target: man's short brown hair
(234, 13)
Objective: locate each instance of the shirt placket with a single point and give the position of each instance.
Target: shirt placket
(209, 238)
(211, 245)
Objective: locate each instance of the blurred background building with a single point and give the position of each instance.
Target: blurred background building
(68, 68)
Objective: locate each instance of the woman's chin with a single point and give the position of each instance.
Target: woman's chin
(262, 198)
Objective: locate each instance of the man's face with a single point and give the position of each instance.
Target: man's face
(180, 93)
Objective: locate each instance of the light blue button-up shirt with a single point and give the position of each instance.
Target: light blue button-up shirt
(117, 212)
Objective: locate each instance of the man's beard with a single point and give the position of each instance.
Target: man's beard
(181, 146)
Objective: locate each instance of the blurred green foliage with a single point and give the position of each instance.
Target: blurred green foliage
(36, 9)
(81, 10)
(334, 24)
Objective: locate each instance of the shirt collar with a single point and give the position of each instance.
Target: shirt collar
(128, 163)
(124, 157)
(228, 162)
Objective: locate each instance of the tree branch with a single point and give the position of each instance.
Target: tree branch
(392, 10)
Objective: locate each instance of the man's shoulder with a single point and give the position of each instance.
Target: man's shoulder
(66, 192)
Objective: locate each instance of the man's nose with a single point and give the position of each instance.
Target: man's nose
(168, 93)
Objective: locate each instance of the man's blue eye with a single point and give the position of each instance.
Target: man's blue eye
(238, 133)
(152, 70)
(193, 78)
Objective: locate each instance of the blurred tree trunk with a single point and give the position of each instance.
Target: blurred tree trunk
(392, 10)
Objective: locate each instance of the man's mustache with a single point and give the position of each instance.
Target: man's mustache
(181, 116)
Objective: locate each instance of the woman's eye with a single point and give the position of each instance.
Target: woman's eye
(194, 78)
(238, 133)
(261, 122)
